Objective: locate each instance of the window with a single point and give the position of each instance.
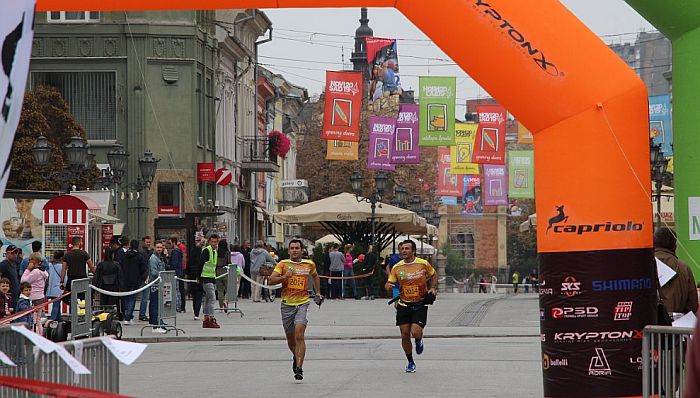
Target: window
(461, 237)
(73, 16)
(169, 201)
(200, 109)
(92, 97)
(209, 99)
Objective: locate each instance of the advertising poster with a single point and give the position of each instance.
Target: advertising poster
(461, 152)
(381, 131)
(342, 150)
(22, 222)
(405, 139)
(524, 135)
(437, 110)
(341, 117)
(490, 145)
(73, 231)
(495, 185)
(471, 198)
(448, 184)
(660, 123)
(521, 174)
(382, 56)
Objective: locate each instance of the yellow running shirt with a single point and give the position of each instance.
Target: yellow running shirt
(412, 278)
(295, 290)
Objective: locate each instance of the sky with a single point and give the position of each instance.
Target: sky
(307, 42)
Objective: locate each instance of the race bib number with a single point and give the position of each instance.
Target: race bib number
(297, 282)
(411, 292)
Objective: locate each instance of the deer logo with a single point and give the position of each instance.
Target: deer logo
(560, 217)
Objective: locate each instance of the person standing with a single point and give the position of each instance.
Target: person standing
(207, 279)
(348, 271)
(108, 276)
(412, 275)
(237, 261)
(135, 273)
(122, 249)
(259, 257)
(193, 271)
(223, 255)
(516, 280)
(146, 252)
(494, 281)
(37, 278)
(294, 274)
(244, 290)
(36, 248)
(155, 266)
(176, 264)
(336, 268)
(54, 288)
(76, 264)
(678, 294)
(8, 269)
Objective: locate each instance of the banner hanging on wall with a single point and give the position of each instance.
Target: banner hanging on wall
(471, 198)
(448, 184)
(461, 152)
(381, 131)
(342, 150)
(341, 117)
(660, 123)
(437, 110)
(490, 145)
(521, 174)
(405, 148)
(495, 185)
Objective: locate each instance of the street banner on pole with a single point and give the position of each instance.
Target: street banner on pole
(461, 152)
(341, 118)
(471, 198)
(660, 122)
(405, 139)
(342, 150)
(521, 174)
(495, 185)
(448, 184)
(382, 56)
(524, 135)
(381, 131)
(490, 145)
(437, 110)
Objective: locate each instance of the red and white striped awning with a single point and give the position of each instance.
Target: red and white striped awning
(66, 209)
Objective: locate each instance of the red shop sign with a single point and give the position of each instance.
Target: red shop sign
(205, 172)
(168, 210)
(75, 231)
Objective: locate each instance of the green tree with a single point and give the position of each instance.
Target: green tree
(46, 113)
(455, 266)
(522, 247)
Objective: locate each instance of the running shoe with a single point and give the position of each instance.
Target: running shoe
(159, 330)
(299, 374)
(419, 346)
(411, 367)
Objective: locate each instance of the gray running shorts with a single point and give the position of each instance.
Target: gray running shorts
(294, 315)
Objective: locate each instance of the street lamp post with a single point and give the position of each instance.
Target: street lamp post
(112, 176)
(380, 180)
(147, 166)
(658, 169)
(78, 158)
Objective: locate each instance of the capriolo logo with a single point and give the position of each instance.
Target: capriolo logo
(559, 225)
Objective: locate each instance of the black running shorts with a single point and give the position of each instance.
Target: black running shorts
(417, 314)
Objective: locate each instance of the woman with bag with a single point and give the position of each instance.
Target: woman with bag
(108, 276)
(53, 290)
(37, 278)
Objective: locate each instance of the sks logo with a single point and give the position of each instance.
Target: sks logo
(518, 38)
(570, 287)
(580, 229)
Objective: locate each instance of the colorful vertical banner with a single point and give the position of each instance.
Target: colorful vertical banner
(405, 139)
(521, 174)
(381, 131)
(342, 150)
(382, 56)
(524, 135)
(495, 185)
(448, 184)
(660, 122)
(471, 198)
(490, 145)
(437, 110)
(461, 152)
(341, 118)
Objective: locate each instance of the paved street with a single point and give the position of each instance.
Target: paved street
(477, 345)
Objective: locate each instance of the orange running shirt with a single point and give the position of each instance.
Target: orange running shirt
(412, 278)
(295, 290)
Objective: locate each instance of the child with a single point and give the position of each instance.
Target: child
(24, 303)
(37, 278)
(5, 299)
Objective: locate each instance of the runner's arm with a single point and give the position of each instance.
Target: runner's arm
(276, 278)
(317, 284)
(434, 283)
(389, 286)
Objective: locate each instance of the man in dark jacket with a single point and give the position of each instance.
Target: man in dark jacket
(8, 269)
(193, 271)
(679, 294)
(244, 290)
(146, 250)
(134, 274)
(123, 243)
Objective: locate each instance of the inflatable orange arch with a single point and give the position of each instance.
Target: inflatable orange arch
(588, 113)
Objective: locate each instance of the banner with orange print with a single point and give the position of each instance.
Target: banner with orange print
(490, 145)
(342, 150)
(341, 117)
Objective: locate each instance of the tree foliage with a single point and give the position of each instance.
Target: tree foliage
(45, 112)
(522, 246)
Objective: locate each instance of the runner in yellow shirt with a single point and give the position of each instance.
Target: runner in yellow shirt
(293, 274)
(412, 274)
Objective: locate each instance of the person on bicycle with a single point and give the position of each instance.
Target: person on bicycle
(259, 256)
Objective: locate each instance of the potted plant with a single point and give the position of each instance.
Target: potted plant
(279, 144)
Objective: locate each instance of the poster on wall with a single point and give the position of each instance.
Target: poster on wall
(461, 152)
(382, 56)
(490, 145)
(495, 185)
(524, 135)
(22, 222)
(405, 149)
(437, 110)
(75, 231)
(660, 123)
(341, 117)
(342, 150)
(381, 131)
(448, 184)
(521, 174)
(471, 197)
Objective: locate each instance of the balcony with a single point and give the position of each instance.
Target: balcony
(257, 156)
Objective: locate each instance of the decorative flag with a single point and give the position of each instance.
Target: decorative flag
(341, 118)
(437, 110)
(524, 135)
(461, 152)
(660, 123)
(490, 145)
(495, 185)
(381, 130)
(382, 55)
(342, 150)
(521, 174)
(472, 195)
(405, 149)
(448, 184)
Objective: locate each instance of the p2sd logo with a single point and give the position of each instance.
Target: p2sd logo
(570, 287)
(574, 312)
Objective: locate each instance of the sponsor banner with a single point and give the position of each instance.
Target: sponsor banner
(342, 150)
(448, 184)
(22, 223)
(490, 145)
(206, 172)
(382, 55)
(461, 152)
(471, 197)
(524, 135)
(75, 231)
(521, 174)
(381, 131)
(660, 123)
(16, 31)
(107, 235)
(496, 186)
(694, 217)
(341, 117)
(437, 110)
(405, 139)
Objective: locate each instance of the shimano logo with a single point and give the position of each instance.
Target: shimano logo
(518, 38)
(622, 284)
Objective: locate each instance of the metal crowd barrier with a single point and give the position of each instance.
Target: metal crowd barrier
(80, 324)
(166, 303)
(33, 363)
(663, 360)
